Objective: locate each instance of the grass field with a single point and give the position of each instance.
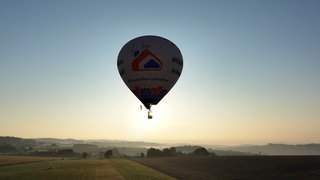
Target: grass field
(29, 168)
(237, 167)
(184, 167)
(132, 170)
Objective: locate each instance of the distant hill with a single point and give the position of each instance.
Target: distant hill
(58, 141)
(280, 149)
(98, 142)
(16, 144)
(50, 146)
(10, 144)
(187, 149)
(123, 143)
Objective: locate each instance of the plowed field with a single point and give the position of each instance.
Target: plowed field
(237, 167)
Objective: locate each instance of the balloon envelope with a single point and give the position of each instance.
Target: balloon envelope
(150, 66)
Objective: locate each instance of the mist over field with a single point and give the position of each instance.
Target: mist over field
(134, 148)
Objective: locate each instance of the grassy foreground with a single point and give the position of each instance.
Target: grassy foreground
(76, 169)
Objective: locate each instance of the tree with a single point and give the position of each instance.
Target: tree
(152, 152)
(173, 150)
(169, 151)
(166, 152)
(66, 152)
(116, 153)
(201, 151)
(142, 155)
(84, 155)
(53, 145)
(108, 154)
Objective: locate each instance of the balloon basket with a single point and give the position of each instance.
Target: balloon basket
(149, 114)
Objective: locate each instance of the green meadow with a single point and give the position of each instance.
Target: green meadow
(76, 169)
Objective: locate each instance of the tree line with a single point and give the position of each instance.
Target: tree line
(167, 152)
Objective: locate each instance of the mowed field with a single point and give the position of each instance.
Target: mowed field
(184, 167)
(48, 168)
(237, 167)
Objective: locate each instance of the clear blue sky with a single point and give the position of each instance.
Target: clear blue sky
(251, 70)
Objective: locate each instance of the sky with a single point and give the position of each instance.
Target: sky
(251, 70)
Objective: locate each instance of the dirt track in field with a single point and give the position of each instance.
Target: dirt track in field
(237, 167)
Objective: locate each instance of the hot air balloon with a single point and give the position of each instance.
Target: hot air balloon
(150, 66)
